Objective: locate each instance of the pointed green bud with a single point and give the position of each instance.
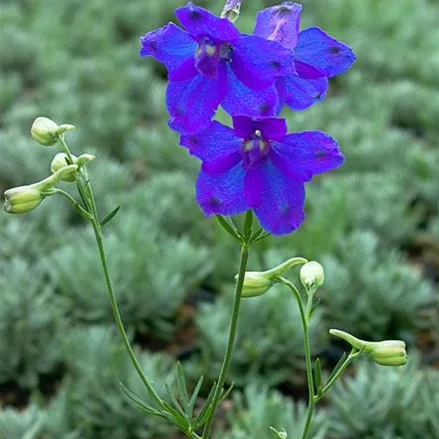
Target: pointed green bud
(385, 353)
(257, 283)
(312, 275)
(61, 161)
(45, 131)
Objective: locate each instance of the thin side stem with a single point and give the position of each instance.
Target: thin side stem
(307, 346)
(100, 242)
(232, 334)
(354, 354)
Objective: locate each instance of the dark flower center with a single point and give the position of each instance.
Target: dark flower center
(226, 51)
(255, 150)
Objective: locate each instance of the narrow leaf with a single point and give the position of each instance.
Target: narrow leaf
(195, 396)
(110, 216)
(263, 236)
(338, 365)
(318, 375)
(177, 417)
(257, 234)
(228, 228)
(174, 400)
(181, 383)
(142, 405)
(225, 394)
(248, 224)
(205, 410)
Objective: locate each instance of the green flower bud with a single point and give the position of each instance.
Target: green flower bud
(390, 353)
(22, 199)
(385, 353)
(65, 173)
(45, 131)
(61, 161)
(312, 275)
(257, 283)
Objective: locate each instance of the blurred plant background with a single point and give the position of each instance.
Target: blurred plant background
(374, 225)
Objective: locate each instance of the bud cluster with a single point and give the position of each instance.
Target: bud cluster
(64, 167)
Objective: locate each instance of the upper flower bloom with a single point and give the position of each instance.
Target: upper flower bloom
(210, 64)
(317, 56)
(257, 165)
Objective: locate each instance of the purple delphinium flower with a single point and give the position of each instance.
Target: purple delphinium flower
(257, 165)
(210, 64)
(317, 56)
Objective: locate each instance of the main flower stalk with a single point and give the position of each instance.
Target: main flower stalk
(233, 326)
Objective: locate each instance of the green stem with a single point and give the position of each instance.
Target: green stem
(86, 192)
(100, 242)
(309, 373)
(354, 353)
(232, 333)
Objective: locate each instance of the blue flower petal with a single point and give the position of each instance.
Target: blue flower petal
(270, 128)
(276, 199)
(200, 22)
(280, 23)
(222, 193)
(214, 143)
(192, 103)
(169, 45)
(241, 100)
(300, 93)
(257, 62)
(319, 50)
(300, 156)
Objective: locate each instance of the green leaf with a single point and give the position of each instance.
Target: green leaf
(248, 224)
(228, 228)
(260, 238)
(206, 409)
(174, 400)
(181, 383)
(257, 234)
(318, 376)
(110, 216)
(195, 396)
(176, 416)
(225, 394)
(338, 365)
(142, 405)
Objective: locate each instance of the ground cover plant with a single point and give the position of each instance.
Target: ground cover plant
(372, 224)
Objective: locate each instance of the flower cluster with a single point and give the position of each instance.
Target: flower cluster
(255, 164)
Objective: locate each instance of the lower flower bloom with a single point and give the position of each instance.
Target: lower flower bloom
(257, 165)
